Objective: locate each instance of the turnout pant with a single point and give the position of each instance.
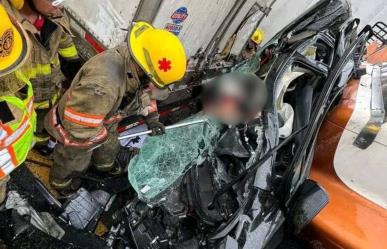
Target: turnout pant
(70, 161)
(41, 133)
(3, 189)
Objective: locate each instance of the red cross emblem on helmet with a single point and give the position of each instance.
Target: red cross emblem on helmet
(165, 65)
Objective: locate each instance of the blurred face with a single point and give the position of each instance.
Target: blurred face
(224, 102)
(234, 98)
(225, 110)
(46, 8)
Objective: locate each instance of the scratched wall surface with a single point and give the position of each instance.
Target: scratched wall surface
(370, 11)
(204, 18)
(104, 18)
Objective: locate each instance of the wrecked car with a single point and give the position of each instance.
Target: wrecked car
(210, 185)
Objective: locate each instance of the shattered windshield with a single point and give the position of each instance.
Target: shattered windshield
(164, 159)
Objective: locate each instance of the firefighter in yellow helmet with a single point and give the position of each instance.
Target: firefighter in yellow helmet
(253, 44)
(54, 58)
(121, 82)
(17, 117)
(258, 36)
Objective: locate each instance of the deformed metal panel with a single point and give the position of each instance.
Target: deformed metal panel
(284, 11)
(147, 10)
(104, 19)
(250, 22)
(245, 32)
(237, 21)
(204, 19)
(370, 131)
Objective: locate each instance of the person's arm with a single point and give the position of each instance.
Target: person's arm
(151, 115)
(86, 107)
(67, 49)
(69, 58)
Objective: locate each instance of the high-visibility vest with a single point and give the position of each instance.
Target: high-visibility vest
(17, 139)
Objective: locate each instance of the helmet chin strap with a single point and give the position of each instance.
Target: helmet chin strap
(139, 70)
(142, 75)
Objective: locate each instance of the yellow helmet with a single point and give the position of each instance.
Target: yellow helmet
(258, 36)
(14, 44)
(158, 52)
(18, 4)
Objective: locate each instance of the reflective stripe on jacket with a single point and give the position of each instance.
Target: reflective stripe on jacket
(17, 137)
(66, 139)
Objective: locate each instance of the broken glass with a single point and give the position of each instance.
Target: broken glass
(251, 65)
(164, 159)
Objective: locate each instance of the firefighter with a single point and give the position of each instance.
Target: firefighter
(49, 32)
(17, 116)
(253, 44)
(110, 86)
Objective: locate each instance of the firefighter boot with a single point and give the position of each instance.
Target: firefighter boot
(61, 184)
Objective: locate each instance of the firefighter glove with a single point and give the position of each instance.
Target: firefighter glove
(157, 127)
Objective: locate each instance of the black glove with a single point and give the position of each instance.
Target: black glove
(157, 127)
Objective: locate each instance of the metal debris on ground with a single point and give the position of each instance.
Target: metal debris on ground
(43, 221)
(85, 207)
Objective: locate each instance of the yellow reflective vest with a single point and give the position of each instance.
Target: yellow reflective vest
(45, 70)
(17, 137)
